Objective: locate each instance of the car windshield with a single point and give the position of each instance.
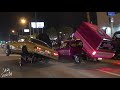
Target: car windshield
(117, 35)
(39, 42)
(106, 45)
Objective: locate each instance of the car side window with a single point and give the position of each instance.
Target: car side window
(73, 44)
(76, 44)
(65, 45)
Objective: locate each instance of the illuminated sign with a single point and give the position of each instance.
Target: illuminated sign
(37, 24)
(26, 30)
(111, 13)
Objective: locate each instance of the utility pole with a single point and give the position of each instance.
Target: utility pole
(111, 20)
(88, 17)
(111, 24)
(30, 28)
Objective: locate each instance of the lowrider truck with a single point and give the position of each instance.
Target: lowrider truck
(97, 45)
(34, 48)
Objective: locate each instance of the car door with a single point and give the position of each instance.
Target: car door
(66, 50)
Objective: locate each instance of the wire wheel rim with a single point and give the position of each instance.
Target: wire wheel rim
(76, 59)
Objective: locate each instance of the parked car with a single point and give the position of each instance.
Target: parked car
(33, 48)
(116, 40)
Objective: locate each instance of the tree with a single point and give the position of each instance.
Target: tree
(51, 32)
(66, 31)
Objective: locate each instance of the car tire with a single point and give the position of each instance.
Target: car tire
(77, 59)
(7, 51)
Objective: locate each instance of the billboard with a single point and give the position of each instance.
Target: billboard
(26, 30)
(37, 24)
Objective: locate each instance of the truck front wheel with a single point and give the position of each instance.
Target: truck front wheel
(77, 59)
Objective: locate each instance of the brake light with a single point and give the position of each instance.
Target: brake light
(94, 53)
(56, 54)
(47, 51)
(38, 48)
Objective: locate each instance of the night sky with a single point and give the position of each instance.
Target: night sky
(9, 20)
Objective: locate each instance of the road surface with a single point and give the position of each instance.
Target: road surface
(9, 68)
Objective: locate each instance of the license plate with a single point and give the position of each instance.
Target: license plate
(99, 58)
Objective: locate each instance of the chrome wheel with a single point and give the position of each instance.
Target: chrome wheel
(77, 59)
(7, 51)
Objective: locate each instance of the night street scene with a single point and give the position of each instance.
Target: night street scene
(60, 45)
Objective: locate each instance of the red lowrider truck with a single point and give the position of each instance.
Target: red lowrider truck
(96, 44)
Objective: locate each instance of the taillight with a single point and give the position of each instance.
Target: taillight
(38, 48)
(55, 54)
(47, 51)
(94, 53)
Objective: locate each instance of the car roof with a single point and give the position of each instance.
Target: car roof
(117, 32)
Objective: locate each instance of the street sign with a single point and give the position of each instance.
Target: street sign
(111, 13)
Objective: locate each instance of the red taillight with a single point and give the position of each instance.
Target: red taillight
(94, 53)
(47, 51)
(56, 54)
(38, 48)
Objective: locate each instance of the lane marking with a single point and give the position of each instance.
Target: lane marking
(109, 72)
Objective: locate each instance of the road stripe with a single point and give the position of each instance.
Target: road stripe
(109, 72)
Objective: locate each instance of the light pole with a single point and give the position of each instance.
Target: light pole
(23, 21)
(111, 24)
(88, 16)
(13, 31)
(30, 28)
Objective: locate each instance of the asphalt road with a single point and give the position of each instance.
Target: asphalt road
(9, 68)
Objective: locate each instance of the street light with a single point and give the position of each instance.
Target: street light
(23, 21)
(13, 31)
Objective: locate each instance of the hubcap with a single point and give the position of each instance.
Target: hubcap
(77, 59)
(6, 51)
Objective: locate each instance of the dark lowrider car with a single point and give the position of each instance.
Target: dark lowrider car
(33, 48)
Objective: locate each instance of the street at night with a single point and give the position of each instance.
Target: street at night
(60, 45)
(57, 69)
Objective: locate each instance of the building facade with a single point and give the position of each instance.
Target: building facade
(103, 22)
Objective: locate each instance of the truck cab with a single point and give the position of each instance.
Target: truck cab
(71, 49)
